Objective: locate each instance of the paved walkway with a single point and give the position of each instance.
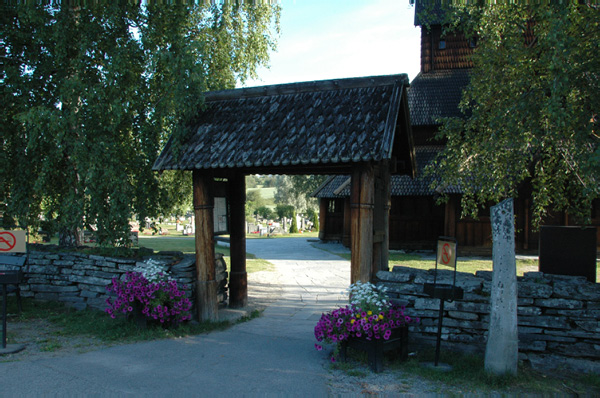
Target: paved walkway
(270, 356)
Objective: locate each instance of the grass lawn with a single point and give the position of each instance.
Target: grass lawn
(186, 244)
(470, 265)
(312, 234)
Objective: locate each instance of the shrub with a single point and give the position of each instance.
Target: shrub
(294, 225)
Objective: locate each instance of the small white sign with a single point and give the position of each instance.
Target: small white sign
(446, 253)
(13, 241)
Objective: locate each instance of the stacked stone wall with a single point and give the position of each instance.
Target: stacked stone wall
(79, 280)
(558, 316)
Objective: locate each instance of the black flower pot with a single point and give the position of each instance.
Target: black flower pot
(375, 348)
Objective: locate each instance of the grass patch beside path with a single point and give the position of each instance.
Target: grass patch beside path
(308, 235)
(98, 325)
(257, 265)
(468, 374)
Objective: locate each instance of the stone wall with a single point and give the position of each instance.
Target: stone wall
(80, 280)
(558, 316)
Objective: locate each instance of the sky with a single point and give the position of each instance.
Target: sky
(331, 39)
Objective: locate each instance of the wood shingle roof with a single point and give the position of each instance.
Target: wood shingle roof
(403, 185)
(313, 127)
(435, 95)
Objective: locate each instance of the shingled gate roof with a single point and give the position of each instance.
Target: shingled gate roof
(313, 127)
(436, 94)
(333, 187)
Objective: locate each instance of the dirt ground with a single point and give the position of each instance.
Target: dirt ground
(42, 339)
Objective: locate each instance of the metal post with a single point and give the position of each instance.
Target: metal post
(3, 315)
(439, 333)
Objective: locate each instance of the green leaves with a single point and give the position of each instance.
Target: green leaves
(532, 96)
(91, 94)
(296, 190)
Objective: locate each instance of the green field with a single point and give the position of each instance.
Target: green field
(267, 193)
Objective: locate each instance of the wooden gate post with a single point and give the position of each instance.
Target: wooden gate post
(238, 279)
(381, 216)
(206, 284)
(323, 205)
(346, 236)
(361, 236)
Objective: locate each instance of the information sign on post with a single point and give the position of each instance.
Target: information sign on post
(13, 241)
(446, 253)
(446, 256)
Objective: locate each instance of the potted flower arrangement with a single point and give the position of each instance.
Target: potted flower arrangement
(149, 295)
(370, 322)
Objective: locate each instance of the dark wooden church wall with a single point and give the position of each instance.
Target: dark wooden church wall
(333, 227)
(415, 222)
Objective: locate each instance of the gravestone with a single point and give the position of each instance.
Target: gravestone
(502, 348)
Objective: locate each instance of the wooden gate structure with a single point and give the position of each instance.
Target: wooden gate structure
(357, 126)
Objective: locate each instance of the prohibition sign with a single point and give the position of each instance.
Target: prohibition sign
(7, 241)
(446, 254)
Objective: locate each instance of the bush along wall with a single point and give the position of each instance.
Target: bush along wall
(558, 316)
(79, 280)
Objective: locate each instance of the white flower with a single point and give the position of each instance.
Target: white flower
(152, 270)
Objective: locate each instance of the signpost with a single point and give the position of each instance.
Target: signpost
(446, 256)
(11, 242)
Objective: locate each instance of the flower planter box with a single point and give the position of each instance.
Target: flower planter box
(375, 348)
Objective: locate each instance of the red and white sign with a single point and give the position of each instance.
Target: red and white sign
(13, 241)
(446, 253)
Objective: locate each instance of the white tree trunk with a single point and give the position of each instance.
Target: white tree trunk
(502, 349)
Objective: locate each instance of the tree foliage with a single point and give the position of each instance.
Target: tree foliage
(296, 190)
(264, 212)
(532, 108)
(314, 218)
(294, 224)
(285, 211)
(90, 95)
(254, 201)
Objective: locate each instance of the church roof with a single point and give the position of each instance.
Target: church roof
(401, 185)
(436, 94)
